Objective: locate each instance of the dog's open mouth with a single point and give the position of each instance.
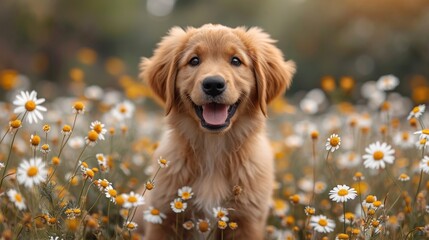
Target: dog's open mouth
(215, 116)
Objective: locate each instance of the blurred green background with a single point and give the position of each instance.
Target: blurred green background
(101, 41)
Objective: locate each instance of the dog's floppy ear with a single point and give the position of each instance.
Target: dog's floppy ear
(273, 73)
(160, 70)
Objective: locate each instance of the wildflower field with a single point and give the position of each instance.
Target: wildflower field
(351, 161)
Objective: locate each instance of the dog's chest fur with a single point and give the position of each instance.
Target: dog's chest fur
(213, 164)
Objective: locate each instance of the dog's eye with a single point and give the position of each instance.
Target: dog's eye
(194, 61)
(235, 61)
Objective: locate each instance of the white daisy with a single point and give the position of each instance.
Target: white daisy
(350, 217)
(424, 133)
(322, 224)
(309, 106)
(342, 193)
(78, 107)
(32, 172)
(103, 184)
(133, 200)
(28, 102)
(280, 207)
(102, 162)
(403, 177)
(99, 128)
(91, 138)
(294, 141)
(221, 213)
(16, 198)
(424, 164)
(203, 225)
(417, 111)
(55, 238)
(333, 143)
(111, 194)
(178, 205)
(188, 225)
(422, 143)
(123, 110)
(404, 140)
(185, 193)
(222, 224)
(348, 160)
(153, 215)
(320, 187)
(163, 163)
(387, 82)
(130, 226)
(378, 154)
(369, 201)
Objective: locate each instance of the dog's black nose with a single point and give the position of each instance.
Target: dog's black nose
(214, 86)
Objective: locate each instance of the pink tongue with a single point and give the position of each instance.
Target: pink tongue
(215, 114)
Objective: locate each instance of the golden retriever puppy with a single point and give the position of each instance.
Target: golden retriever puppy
(216, 83)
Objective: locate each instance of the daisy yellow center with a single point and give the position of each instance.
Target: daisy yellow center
(15, 123)
(92, 136)
(100, 158)
(78, 106)
(178, 205)
(132, 199)
(154, 212)
(405, 136)
(30, 105)
(221, 224)
(90, 173)
(149, 186)
(18, 197)
(112, 192)
(131, 225)
(425, 131)
(35, 140)
(378, 155)
(343, 236)
(343, 192)
(405, 176)
(97, 128)
(370, 199)
(66, 128)
(32, 171)
(423, 141)
(123, 109)
(203, 226)
(119, 200)
(416, 110)
(323, 222)
(233, 225)
(163, 161)
(46, 128)
(220, 214)
(278, 204)
(186, 195)
(45, 147)
(349, 215)
(334, 141)
(104, 183)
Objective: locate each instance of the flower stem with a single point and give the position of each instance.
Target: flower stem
(8, 158)
(344, 214)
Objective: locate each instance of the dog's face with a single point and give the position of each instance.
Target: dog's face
(214, 74)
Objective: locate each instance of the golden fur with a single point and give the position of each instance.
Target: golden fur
(211, 161)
